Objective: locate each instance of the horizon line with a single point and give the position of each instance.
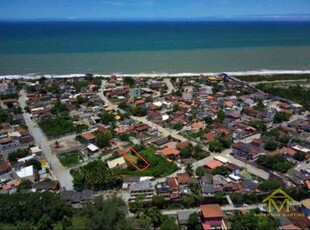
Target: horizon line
(159, 20)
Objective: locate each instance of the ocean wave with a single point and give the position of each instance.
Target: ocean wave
(158, 74)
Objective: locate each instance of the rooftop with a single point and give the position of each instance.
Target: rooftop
(211, 211)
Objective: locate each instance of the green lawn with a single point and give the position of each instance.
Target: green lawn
(159, 167)
(70, 159)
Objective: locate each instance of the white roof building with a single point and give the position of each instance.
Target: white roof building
(35, 150)
(27, 158)
(92, 147)
(26, 173)
(165, 117)
(116, 162)
(158, 103)
(221, 159)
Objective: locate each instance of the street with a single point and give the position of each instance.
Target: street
(58, 171)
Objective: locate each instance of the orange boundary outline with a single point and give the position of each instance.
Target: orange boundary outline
(124, 153)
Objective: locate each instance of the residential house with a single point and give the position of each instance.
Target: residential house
(207, 190)
(211, 216)
(142, 188)
(247, 151)
(118, 163)
(183, 179)
(28, 173)
(164, 190)
(213, 164)
(183, 218)
(173, 184)
(5, 167)
(9, 144)
(170, 152)
(161, 142)
(88, 137)
(47, 186)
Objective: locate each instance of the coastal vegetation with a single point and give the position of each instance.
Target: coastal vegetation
(273, 77)
(296, 93)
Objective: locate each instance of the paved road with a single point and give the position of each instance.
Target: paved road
(225, 208)
(165, 131)
(58, 171)
(169, 85)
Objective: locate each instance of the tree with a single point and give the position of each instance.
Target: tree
(269, 185)
(123, 105)
(200, 171)
(35, 163)
(27, 109)
(271, 146)
(193, 221)
(103, 140)
(280, 117)
(129, 81)
(222, 170)
(208, 119)
(95, 176)
(300, 156)
(168, 223)
(178, 126)
(107, 118)
(155, 216)
(25, 184)
(139, 111)
(221, 116)
(3, 115)
(276, 162)
(104, 214)
(252, 221)
(189, 169)
(188, 201)
(186, 152)
(66, 222)
(216, 146)
(259, 125)
(158, 201)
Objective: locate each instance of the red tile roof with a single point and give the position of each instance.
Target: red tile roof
(170, 151)
(183, 178)
(197, 126)
(213, 164)
(211, 211)
(173, 183)
(88, 136)
(183, 145)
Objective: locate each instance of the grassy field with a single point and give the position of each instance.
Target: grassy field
(159, 167)
(132, 157)
(70, 159)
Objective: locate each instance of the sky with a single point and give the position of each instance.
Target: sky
(153, 9)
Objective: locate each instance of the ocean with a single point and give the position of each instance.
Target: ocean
(152, 47)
